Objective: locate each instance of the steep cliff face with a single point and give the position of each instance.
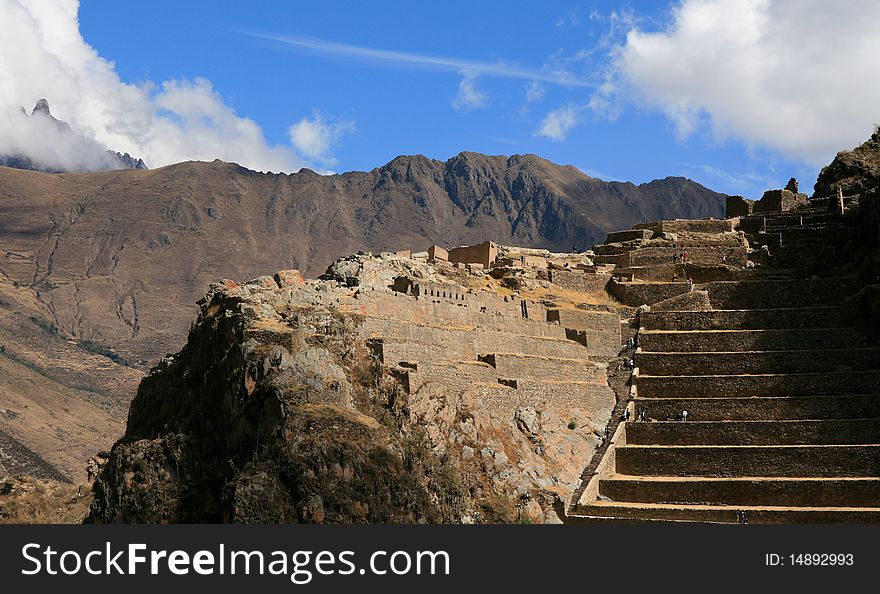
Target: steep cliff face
(284, 407)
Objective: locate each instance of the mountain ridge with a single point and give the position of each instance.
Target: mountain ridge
(150, 235)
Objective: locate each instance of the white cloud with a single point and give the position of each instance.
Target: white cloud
(796, 77)
(44, 55)
(315, 137)
(534, 92)
(557, 124)
(469, 96)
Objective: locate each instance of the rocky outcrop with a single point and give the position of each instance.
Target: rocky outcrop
(852, 171)
(342, 400)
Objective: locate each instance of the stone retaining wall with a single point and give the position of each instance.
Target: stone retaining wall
(749, 319)
(636, 294)
(733, 255)
(741, 386)
(696, 226)
(580, 280)
(753, 340)
(782, 293)
(598, 331)
(531, 367)
(752, 362)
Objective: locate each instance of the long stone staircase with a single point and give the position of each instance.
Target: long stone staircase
(781, 390)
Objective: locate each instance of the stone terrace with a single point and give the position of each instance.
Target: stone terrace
(780, 383)
(508, 352)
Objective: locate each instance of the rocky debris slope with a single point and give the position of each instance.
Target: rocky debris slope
(318, 401)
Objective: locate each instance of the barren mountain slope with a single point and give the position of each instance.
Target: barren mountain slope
(120, 257)
(61, 401)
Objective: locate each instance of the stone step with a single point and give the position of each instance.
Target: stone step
(758, 408)
(775, 432)
(752, 340)
(744, 319)
(776, 460)
(757, 362)
(750, 491)
(623, 512)
(764, 294)
(735, 386)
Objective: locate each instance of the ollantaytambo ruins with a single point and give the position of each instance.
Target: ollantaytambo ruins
(721, 369)
(306, 279)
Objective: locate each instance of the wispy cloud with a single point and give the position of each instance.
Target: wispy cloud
(557, 124)
(314, 137)
(747, 182)
(534, 92)
(469, 96)
(344, 50)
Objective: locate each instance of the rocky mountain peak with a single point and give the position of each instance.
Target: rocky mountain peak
(42, 106)
(42, 142)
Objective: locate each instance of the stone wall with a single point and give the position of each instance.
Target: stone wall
(621, 259)
(500, 349)
(700, 273)
(589, 405)
(744, 319)
(435, 252)
(479, 302)
(582, 281)
(741, 386)
(598, 331)
(616, 236)
(737, 206)
(781, 293)
(537, 367)
(411, 343)
(691, 225)
(755, 362)
(484, 253)
(636, 294)
(730, 253)
(778, 201)
(753, 340)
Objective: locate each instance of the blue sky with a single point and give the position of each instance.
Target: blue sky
(375, 109)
